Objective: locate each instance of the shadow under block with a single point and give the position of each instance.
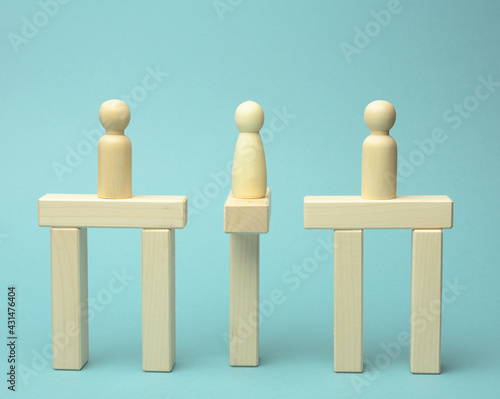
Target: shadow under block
(426, 285)
(247, 215)
(244, 299)
(348, 301)
(87, 210)
(403, 212)
(70, 331)
(158, 299)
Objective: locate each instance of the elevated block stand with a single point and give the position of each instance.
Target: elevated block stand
(245, 219)
(379, 207)
(348, 216)
(69, 216)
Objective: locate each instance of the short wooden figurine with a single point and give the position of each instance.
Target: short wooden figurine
(114, 154)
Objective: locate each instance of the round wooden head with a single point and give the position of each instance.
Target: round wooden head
(114, 116)
(380, 116)
(249, 117)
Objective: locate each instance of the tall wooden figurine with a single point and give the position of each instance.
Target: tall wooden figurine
(249, 178)
(114, 164)
(246, 214)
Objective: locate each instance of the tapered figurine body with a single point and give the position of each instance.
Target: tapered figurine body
(114, 170)
(249, 178)
(380, 154)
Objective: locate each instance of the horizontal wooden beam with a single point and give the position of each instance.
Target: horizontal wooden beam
(86, 210)
(353, 212)
(247, 215)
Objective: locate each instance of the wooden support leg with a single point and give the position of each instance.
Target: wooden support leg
(348, 301)
(426, 283)
(69, 279)
(244, 299)
(158, 299)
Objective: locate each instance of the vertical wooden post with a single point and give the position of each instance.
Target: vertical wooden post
(244, 299)
(426, 285)
(158, 299)
(348, 301)
(69, 280)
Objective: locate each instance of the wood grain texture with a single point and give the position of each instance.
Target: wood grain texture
(353, 212)
(426, 286)
(158, 299)
(244, 299)
(247, 215)
(87, 210)
(70, 332)
(348, 301)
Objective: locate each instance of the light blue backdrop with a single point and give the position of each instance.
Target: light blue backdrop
(184, 67)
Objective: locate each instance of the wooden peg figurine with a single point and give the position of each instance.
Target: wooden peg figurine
(114, 171)
(249, 178)
(379, 159)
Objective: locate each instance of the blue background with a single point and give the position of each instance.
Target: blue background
(293, 57)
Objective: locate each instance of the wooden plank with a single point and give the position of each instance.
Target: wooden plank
(426, 286)
(247, 215)
(158, 299)
(353, 212)
(70, 332)
(244, 299)
(348, 301)
(87, 210)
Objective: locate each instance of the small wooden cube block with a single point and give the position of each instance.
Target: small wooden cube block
(247, 215)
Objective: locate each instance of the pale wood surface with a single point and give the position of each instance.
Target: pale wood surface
(244, 299)
(348, 301)
(69, 282)
(114, 152)
(247, 215)
(158, 299)
(87, 210)
(426, 285)
(379, 156)
(354, 212)
(249, 177)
